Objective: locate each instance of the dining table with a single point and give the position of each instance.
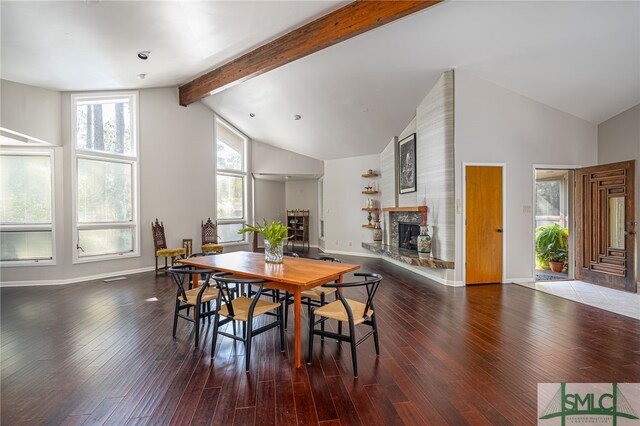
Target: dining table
(293, 275)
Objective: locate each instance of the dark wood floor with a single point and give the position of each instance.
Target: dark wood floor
(102, 353)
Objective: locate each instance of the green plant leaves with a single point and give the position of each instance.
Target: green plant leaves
(274, 232)
(552, 244)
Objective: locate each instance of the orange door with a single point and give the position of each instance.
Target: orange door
(483, 220)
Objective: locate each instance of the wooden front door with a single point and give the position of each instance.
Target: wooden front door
(483, 252)
(605, 225)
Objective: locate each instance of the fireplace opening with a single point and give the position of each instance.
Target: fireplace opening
(408, 235)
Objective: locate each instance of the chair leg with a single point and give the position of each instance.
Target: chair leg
(209, 310)
(286, 309)
(166, 267)
(310, 352)
(156, 265)
(196, 322)
(322, 302)
(375, 334)
(282, 326)
(339, 330)
(354, 356)
(175, 318)
(247, 344)
(216, 321)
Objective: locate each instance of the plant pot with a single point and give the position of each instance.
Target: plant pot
(556, 266)
(273, 253)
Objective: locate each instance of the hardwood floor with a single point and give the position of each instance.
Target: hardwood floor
(102, 353)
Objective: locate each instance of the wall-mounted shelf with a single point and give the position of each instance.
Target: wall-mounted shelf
(369, 226)
(366, 209)
(370, 192)
(370, 175)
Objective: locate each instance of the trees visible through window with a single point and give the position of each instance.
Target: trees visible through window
(231, 178)
(26, 209)
(106, 175)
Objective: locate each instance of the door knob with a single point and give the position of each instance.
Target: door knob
(499, 229)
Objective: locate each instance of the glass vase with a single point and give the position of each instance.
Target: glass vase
(273, 253)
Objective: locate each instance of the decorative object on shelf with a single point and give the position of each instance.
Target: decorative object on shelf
(424, 239)
(377, 231)
(370, 203)
(407, 169)
(424, 242)
(275, 235)
(369, 219)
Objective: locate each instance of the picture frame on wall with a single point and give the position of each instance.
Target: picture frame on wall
(407, 165)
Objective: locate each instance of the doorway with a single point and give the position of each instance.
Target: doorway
(483, 227)
(553, 224)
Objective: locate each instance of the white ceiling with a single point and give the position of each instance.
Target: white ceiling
(579, 57)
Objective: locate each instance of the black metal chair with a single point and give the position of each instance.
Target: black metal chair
(350, 311)
(314, 297)
(198, 298)
(244, 308)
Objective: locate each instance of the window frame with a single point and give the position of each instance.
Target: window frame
(133, 159)
(244, 173)
(39, 152)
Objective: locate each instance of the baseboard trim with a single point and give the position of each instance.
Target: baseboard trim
(75, 280)
(519, 280)
(350, 253)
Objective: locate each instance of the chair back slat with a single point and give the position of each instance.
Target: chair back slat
(182, 274)
(371, 283)
(326, 258)
(209, 232)
(222, 282)
(159, 240)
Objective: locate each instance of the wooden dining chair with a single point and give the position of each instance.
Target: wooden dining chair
(210, 237)
(199, 298)
(349, 311)
(161, 250)
(244, 309)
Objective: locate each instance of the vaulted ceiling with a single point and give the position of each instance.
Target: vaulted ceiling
(580, 57)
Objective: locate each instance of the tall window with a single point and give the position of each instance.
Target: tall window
(231, 182)
(26, 209)
(105, 176)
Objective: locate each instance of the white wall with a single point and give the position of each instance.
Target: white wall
(270, 202)
(495, 125)
(619, 140)
(31, 111)
(176, 186)
(303, 195)
(271, 160)
(343, 203)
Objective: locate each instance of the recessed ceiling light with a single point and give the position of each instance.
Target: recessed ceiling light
(297, 117)
(144, 55)
(141, 76)
(251, 115)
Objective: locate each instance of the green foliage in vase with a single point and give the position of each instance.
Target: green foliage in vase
(274, 232)
(552, 244)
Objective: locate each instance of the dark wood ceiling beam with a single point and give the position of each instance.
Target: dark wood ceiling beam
(348, 21)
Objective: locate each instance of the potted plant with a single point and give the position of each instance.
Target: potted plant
(274, 233)
(552, 242)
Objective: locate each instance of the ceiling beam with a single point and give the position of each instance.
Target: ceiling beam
(348, 21)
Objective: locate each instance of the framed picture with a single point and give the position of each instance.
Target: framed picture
(407, 164)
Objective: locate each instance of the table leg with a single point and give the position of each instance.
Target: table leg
(195, 280)
(297, 303)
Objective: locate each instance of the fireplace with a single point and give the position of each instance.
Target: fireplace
(408, 235)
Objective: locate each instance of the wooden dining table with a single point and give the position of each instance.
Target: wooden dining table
(293, 275)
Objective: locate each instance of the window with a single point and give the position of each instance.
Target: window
(105, 156)
(26, 209)
(231, 182)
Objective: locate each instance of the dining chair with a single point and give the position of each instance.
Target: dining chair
(161, 250)
(349, 311)
(244, 309)
(198, 298)
(313, 297)
(210, 237)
